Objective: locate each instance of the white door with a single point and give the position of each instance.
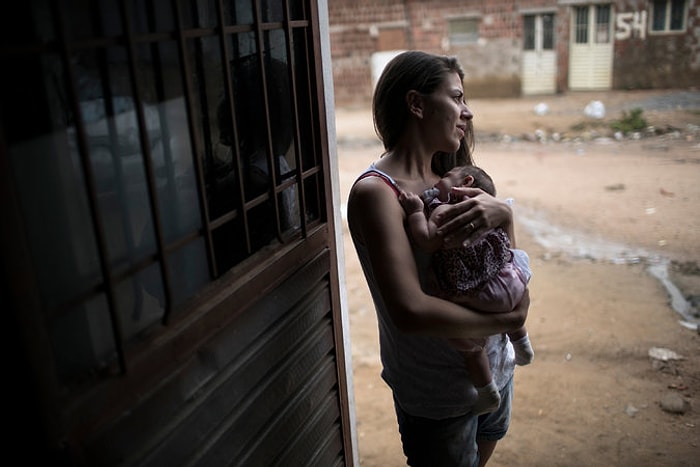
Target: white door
(591, 48)
(539, 59)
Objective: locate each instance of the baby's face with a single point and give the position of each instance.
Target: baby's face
(453, 178)
(456, 177)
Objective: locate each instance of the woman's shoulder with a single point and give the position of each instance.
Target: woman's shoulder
(373, 183)
(373, 201)
(375, 174)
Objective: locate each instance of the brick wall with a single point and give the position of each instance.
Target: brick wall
(562, 29)
(493, 64)
(353, 32)
(669, 60)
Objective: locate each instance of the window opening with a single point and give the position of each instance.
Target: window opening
(602, 24)
(548, 31)
(538, 32)
(529, 32)
(581, 25)
(668, 15)
(463, 31)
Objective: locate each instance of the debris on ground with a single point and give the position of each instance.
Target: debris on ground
(672, 402)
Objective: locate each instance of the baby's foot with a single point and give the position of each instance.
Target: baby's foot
(523, 351)
(488, 400)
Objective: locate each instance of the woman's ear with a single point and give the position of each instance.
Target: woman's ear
(414, 100)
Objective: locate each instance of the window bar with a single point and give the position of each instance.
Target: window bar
(103, 67)
(311, 92)
(315, 79)
(158, 79)
(313, 137)
(201, 71)
(295, 116)
(314, 76)
(147, 160)
(581, 24)
(194, 140)
(90, 185)
(271, 157)
(235, 148)
(602, 24)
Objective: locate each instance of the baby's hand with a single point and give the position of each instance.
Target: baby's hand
(410, 202)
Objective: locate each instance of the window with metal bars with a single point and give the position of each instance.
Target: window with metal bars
(581, 25)
(538, 32)
(529, 32)
(548, 31)
(155, 146)
(597, 16)
(602, 24)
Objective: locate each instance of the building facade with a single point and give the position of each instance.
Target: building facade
(513, 48)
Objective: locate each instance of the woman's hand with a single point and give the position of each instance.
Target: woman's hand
(463, 222)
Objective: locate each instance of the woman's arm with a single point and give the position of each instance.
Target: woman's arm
(377, 220)
(467, 220)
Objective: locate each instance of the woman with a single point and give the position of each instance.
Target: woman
(421, 116)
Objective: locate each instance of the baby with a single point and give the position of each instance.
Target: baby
(487, 275)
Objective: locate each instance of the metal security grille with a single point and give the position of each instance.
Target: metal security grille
(602, 24)
(538, 32)
(155, 147)
(581, 24)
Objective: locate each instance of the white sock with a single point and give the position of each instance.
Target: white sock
(523, 351)
(488, 400)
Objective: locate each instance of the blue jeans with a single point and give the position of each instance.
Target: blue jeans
(451, 442)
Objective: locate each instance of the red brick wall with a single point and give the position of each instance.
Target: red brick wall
(353, 42)
(493, 65)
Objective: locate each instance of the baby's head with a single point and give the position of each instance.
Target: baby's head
(466, 175)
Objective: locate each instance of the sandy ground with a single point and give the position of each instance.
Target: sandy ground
(593, 394)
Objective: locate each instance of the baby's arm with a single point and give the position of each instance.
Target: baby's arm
(422, 231)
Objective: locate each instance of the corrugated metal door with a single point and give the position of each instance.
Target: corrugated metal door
(591, 48)
(539, 59)
(169, 276)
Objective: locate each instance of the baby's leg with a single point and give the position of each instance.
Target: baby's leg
(489, 398)
(478, 366)
(524, 355)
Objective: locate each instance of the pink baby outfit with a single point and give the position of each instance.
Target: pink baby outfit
(486, 275)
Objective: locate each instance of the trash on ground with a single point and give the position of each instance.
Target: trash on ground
(673, 402)
(660, 353)
(595, 109)
(541, 109)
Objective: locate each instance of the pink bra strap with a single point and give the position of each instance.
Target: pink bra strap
(387, 180)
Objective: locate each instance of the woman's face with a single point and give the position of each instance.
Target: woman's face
(447, 115)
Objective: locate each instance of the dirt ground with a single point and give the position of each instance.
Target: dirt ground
(593, 394)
